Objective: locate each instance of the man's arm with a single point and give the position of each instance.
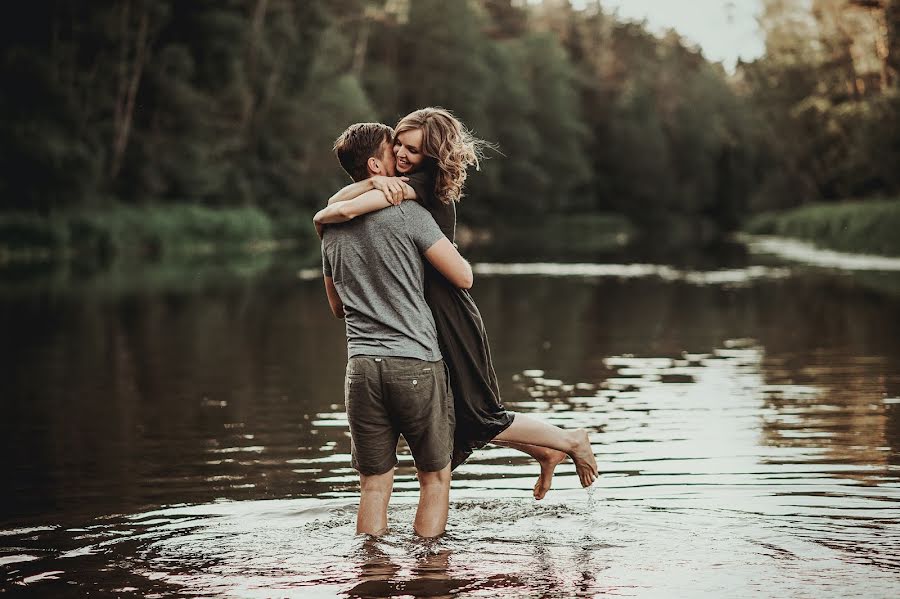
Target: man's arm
(447, 260)
(334, 300)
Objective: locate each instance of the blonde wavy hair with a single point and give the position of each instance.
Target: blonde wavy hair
(452, 147)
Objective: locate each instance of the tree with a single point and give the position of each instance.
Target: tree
(557, 121)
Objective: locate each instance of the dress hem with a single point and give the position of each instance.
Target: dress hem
(460, 455)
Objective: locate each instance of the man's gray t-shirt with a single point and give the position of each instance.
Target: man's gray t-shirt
(375, 261)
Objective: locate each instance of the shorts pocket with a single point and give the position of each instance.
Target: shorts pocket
(411, 398)
(412, 387)
(355, 391)
(354, 378)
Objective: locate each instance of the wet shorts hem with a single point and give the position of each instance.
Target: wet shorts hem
(432, 466)
(381, 468)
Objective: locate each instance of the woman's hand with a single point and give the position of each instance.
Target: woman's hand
(391, 187)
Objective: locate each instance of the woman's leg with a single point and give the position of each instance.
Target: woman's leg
(525, 430)
(548, 458)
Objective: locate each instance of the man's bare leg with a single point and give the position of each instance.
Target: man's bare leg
(374, 495)
(434, 502)
(548, 459)
(575, 443)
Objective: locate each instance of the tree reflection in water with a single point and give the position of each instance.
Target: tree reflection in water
(737, 423)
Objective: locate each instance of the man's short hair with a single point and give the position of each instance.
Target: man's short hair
(358, 143)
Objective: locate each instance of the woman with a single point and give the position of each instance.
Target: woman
(433, 150)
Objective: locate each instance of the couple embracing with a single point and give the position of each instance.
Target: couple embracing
(419, 363)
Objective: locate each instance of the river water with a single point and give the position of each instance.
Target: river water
(186, 437)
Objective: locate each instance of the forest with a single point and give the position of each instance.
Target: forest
(222, 113)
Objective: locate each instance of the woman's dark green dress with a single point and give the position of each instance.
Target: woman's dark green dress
(464, 344)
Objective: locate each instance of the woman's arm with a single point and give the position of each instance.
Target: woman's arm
(351, 191)
(342, 211)
(391, 187)
(372, 200)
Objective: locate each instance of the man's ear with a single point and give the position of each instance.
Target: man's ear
(375, 167)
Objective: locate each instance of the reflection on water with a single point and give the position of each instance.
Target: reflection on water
(808, 253)
(746, 418)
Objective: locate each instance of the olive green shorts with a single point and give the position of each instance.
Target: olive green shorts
(389, 397)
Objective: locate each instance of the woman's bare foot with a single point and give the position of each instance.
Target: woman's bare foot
(548, 461)
(583, 456)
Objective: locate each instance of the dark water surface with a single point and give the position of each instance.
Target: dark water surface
(189, 439)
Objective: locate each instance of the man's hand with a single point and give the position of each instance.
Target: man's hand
(392, 187)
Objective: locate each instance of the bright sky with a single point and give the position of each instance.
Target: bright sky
(724, 29)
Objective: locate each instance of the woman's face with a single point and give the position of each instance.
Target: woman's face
(408, 150)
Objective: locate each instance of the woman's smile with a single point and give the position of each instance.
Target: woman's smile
(408, 150)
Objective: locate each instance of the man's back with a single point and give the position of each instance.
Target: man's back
(376, 264)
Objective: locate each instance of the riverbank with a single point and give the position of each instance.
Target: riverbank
(552, 236)
(160, 233)
(858, 227)
(145, 232)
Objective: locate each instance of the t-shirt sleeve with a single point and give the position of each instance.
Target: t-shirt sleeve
(421, 226)
(423, 184)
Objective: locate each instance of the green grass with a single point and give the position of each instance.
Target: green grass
(155, 231)
(864, 227)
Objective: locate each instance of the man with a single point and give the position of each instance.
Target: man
(396, 380)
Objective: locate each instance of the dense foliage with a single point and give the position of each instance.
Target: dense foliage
(826, 100)
(868, 227)
(236, 103)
